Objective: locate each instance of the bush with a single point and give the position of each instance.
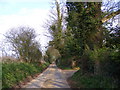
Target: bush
(64, 63)
(99, 56)
(109, 62)
(92, 81)
(86, 62)
(13, 73)
(112, 65)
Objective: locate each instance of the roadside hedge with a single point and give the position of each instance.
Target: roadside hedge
(13, 73)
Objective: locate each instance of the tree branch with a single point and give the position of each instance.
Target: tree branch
(110, 16)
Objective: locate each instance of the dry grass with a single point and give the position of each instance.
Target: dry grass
(9, 59)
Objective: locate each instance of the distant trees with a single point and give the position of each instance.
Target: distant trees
(24, 44)
(52, 55)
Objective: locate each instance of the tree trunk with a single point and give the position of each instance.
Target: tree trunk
(97, 70)
(73, 64)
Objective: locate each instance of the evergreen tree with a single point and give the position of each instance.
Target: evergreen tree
(84, 22)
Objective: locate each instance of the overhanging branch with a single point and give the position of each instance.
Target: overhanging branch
(110, 16)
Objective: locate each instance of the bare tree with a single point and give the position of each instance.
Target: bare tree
(56, 22)
(3, 49)
(23, 42)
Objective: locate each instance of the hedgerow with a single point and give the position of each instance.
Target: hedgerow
(13, 73)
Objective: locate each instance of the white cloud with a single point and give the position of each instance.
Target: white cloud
(14, 1)
(22, 0)
(31, 17)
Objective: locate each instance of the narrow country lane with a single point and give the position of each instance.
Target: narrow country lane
(52, 77)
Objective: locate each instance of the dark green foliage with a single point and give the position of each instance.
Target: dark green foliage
(108, 60)
(96, 47)
(83, 25)
(92, 81)
(109, 69)
(113, 38)
(84, 31)
(64, 63)
(13, 73)
(111, 66)
(86, 63)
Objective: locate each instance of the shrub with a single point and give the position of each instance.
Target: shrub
(109, 62)
(92, 81)
(64, 63)
(112, 65)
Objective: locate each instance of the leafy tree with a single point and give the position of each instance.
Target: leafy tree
(85, 23)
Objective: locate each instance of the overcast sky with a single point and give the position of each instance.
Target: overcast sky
(33, 13)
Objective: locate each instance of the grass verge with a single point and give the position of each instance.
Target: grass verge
(64, 68)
